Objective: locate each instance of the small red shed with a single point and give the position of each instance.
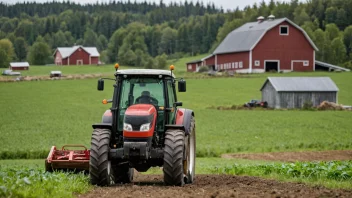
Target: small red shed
(19, 66)
(76, 55)
(266, 45)
(193, 66)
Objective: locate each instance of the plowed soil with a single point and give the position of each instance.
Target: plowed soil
(227, 185)
(295, 156)
(214, 186)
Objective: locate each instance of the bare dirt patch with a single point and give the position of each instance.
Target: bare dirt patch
(295, 156)
(214, 186)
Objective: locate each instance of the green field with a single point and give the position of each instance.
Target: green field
(38, 114)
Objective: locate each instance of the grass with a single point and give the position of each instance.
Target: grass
(37, 115)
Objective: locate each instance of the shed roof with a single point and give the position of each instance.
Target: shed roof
(302, 84)
(19, 64)
(195, 61)
(68, 51)
(327, 65)
(246, 37)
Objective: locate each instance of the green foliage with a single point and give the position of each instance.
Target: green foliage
(20, 48)
(161, 62)
(3, 59)
(7, 47)
(39, 53)
(334, 170)
(24, 182)
(203, 69)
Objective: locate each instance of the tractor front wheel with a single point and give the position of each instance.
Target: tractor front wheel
(123, 174)
(173, 157)
(100, 170)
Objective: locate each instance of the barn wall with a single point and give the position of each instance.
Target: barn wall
(269, 94)
(79, 54)
(210, 61)
(294, 47)
(297, 99)
(58, 58)
(94, 60)
(19, 68)
(65, 61)
(192, 67)
(231, 62)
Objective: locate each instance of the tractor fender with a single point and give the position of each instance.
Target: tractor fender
(102, 126)
(183, 118)
(107, 117)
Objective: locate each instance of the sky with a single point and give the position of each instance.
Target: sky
(226, 4)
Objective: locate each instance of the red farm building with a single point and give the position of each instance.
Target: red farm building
(266, 45)
(19, 66)
(76, 55)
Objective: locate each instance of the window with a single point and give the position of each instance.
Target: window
(284, 30)
(257, 63)
(306, 63)
(189, 66)
(236, 65)
(233, 65)
(241, 64)
(222, 66)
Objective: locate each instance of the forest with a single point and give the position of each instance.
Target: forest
(147, 34)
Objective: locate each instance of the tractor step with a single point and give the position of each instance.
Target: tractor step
(68, 160)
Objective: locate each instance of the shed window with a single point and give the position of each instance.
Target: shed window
(241, 64)
(284, 30)
(236, 65)
(233, 65)
(306, 63)
(189, 66)
(257, 63)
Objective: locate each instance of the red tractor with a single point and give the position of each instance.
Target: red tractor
(143, 128)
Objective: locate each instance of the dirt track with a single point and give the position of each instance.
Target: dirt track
(214, 186)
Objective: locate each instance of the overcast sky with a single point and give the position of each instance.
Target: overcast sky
(226, 4)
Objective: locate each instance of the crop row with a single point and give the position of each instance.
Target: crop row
(333, 170)
(24, 182)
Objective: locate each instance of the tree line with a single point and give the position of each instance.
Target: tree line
(144, 34)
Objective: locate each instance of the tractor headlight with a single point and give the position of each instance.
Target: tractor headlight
(145, 127)
(127, 127)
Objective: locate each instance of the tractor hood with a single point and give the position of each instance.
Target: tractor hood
(139, 121)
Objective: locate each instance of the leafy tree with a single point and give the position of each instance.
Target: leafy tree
(103, 43)
(90, 38)
(39, 53)
(161, 61)
(7, 46)
(347, 39)
(338, 51)
(332, 31)
(300, 15)
(20, 48)
(3, 59)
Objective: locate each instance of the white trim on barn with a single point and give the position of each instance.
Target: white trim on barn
(250, 61)
(313, 60)
(79, 61)
(278, 64)
(216, 62)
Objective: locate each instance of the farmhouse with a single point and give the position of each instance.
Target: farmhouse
(76, 55)
(19, 66)
(293, 92)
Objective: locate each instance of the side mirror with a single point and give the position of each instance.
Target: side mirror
(181, 85)
(100, 85)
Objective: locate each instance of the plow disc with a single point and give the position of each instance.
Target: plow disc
(68, 160)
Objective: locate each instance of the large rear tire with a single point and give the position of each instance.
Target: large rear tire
(100, 170)
(173, 157)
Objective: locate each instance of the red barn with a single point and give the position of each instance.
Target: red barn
(266, 45)
(193, 66)
(76, 55)
(19, 66)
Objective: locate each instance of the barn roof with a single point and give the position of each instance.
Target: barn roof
(68, 51)
(246, 37)
(195, 61)
(302, 84)
(19, 64)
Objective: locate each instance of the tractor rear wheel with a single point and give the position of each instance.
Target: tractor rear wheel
(173, 157)
(100, 170)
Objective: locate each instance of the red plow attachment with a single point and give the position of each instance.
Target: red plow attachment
(68, 160)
